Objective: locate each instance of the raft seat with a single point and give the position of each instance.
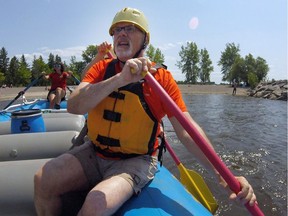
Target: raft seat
(28, 146)
(53, 122)
(61, 130)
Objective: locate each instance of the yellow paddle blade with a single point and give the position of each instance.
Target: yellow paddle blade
(196, 185)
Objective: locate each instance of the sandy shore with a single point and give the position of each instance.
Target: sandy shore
(41, 92)
(211, 89)
(33, 92)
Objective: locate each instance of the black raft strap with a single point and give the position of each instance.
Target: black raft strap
(108, 141)
(112, 116)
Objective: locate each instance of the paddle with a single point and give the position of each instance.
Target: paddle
(23, 92)
(200, 141)
(194, 183)
(76, 80)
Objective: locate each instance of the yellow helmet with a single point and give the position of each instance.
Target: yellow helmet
(134, 16)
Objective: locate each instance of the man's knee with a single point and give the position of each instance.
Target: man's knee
(43, 180)
(37, 180)
(95, 204)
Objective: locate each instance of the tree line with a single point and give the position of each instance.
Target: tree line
(195, 63)
(17, 72)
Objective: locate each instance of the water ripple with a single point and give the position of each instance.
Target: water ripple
(250, 135)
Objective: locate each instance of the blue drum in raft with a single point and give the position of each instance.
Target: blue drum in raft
(27, 121)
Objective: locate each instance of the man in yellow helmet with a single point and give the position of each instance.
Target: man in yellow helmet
(124, 117)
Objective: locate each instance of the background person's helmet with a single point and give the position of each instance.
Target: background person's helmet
(133, 16)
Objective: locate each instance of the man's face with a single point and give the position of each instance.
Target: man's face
(128, 39)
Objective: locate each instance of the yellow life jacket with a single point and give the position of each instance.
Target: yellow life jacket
(122, 125)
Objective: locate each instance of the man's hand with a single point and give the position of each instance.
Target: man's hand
(246, 194)
(137, 68)
(104, 48)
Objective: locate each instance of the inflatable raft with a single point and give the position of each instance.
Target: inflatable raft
(30, 135)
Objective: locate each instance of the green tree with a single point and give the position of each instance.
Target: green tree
(155, 55)
(90, 52)
(12, 75)
(250, 64)
(228, 57)
(4, 61)
(51, 62)
(2, 79)
(159, 57)
(38, 66)
(24, 72)
(239, 70)
(261, 68)
(252, 80)
(189, 62)
(76, 66)
(150, 52)
(206, 66)
(258, 66)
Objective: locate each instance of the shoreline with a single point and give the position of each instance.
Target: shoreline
(41, 92)
(211, 89)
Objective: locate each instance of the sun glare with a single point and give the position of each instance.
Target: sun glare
(193, 23)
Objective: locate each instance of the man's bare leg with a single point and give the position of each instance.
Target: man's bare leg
(107, 197)
(55, 178)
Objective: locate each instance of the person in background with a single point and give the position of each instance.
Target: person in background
(234, 85)
(102, 49)
(58, 80)
(113, 164)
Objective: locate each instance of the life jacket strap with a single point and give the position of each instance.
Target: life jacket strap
(108, 141)
(117, 95)
(116, 155)
(112, 116)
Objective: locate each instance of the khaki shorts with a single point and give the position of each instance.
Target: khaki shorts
(138, 171)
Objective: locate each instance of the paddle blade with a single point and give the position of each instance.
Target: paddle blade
(196, 185)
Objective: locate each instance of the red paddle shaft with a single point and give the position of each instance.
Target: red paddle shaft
(173, 155)
(201, 142)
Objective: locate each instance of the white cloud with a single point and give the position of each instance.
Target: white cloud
(65, 53)
(180, 43)
(167, 46)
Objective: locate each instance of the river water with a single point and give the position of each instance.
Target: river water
(250, 136)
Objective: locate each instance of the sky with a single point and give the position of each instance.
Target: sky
(68, 27)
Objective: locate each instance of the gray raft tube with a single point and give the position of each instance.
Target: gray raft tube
(27, 146)
(53, 122)
(16, 186)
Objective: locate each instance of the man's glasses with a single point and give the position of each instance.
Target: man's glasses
(57, 66)
(128, 29)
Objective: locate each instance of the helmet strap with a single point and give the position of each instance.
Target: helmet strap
(142, 48)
